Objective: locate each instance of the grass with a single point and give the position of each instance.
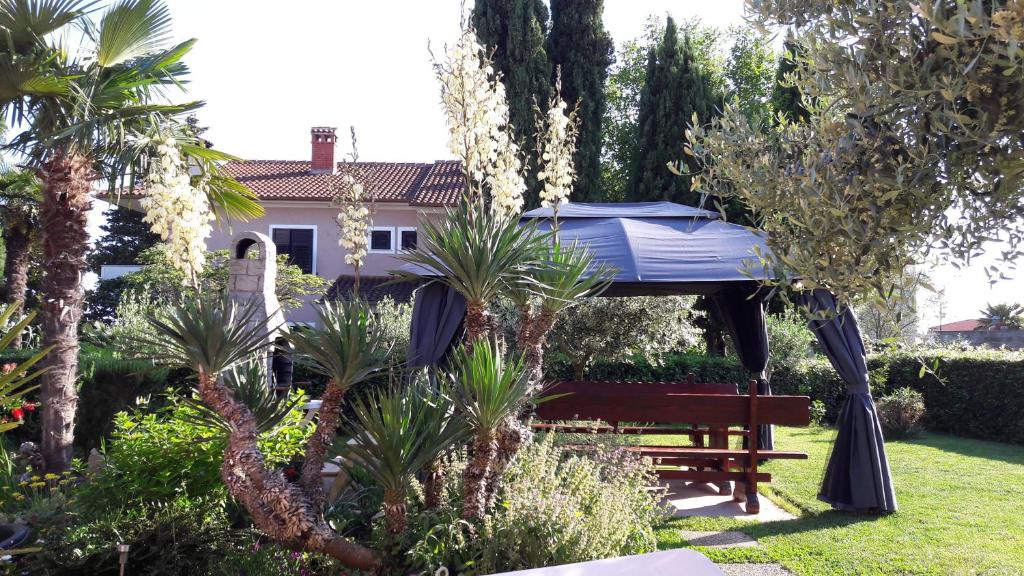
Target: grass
(960, 512)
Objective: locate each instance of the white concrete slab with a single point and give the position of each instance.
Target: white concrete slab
(703, 500)
(680, 562)
(719, 539)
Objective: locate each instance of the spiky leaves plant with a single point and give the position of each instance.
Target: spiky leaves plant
(395, 434)
(248, 384)
(84, 115)
(569, 274)
(212, 335)
(477, 253)
(14, 383)
(488, 389)
(347, 347)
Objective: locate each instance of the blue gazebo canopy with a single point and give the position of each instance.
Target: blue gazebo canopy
(661, 247)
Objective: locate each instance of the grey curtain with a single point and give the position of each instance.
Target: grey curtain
(857, 476)
(436, 323)
(742, 310)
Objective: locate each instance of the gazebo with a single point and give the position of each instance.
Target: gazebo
(662, 248)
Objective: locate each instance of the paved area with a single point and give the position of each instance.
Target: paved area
(719, 539)
(703, 500)
(754, 570)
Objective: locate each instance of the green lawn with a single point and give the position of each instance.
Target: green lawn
(960, 500)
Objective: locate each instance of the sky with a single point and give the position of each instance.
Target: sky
(269, 70)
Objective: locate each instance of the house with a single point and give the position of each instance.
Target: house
(975, 333)
(302, 222)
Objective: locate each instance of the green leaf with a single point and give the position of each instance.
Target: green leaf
(130, 29)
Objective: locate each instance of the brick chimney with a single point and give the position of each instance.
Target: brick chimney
(324, 141)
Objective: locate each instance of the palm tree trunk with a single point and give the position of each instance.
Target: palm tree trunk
(317, 445)
(64, 216)
(278, 508)
(477, 322)
(433, 484)
(474, 497)
(16, 271)
(395, 511)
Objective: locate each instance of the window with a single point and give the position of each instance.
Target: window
(382, 239)
(406, 238)
(299, 243)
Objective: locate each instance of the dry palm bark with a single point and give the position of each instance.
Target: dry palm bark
(474, 479)
(433, 484)
(18, 242)
(278, 508)
(64, 216)
(323, 437)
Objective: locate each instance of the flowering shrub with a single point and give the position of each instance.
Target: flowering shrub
(175, 210)
(480, 134)
(556, 509)
(558, 147)
(354, 221)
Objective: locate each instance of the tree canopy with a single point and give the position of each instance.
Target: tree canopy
(913, 143)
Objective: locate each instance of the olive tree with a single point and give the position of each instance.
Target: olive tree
(914, 141)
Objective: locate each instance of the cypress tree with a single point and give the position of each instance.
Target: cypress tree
(514, 30)
(787, 99)
(581, 51)
(675, 89)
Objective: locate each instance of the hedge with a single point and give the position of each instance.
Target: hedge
(976, 392)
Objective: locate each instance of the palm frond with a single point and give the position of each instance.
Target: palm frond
(392, 435)
(209, 333)
(570, 275)
(14, 382)
(26, 22)
(232, 200)
(347, 345)
(249, 384)
(27, 76)
(476, 252)
(130, 29)
(487, 387)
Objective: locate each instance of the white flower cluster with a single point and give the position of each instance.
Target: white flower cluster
(354, 221)
(480, 135)
(559, 145)
(175, 209)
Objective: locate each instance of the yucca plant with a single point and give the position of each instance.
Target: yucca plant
(488, 389)
(396, 433)
(14, 382)
(212, 335)
(248, 384)
(570, 274)
(477, 253)
(347, 346)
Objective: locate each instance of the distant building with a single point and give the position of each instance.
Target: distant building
(301, 220)
(974, 332)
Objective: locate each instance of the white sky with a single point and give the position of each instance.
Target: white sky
(270, 70)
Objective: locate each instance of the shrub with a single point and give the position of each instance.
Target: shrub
(555, 509)
(817, 412)
(900, 413)
(172, 539)
(667, 367)
(165, 455)
(789, 340)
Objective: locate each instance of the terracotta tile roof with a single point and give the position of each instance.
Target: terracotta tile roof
(958, 326)
(372, 289)
(421, 184)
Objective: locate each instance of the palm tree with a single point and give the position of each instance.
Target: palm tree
(488, 389)
(477, 253)
(19, 212)
(394, 435)
(997, 315)
(347, 347)
(85, 115)
(212, 336)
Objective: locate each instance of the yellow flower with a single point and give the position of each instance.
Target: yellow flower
(51, 476)
(23, 483)
(36, 478)
(38, 484)
(19, 496)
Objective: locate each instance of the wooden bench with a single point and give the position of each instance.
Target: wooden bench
(704, 410)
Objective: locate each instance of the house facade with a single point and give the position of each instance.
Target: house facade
(975, 333)
(302, 221)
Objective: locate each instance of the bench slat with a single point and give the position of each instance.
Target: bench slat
(678, 408)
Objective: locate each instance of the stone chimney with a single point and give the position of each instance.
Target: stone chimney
(324, 142)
